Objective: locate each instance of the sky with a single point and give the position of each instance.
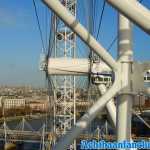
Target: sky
(20, 44)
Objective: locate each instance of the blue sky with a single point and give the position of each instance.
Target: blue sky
(20, 44)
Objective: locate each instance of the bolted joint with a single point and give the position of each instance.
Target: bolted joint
(132, 77)
(125, 77)
(138, 78)
(126, 58)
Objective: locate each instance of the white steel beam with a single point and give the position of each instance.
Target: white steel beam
(133, 10)
(71, 21)
(74, 66)
(110, 106)
(68, 66)
(125, 98)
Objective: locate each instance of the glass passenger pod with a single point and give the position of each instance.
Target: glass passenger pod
(147, 76)
(101, 78)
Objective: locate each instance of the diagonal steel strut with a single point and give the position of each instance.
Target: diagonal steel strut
(83, 123)
(71, 21)
(135, 11)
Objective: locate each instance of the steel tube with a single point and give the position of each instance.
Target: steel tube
(75, 66)
(135, 11)
(111, 109)
(68, 66)
(124, 113)
(71, 21)
(110, 106)
(125, 98)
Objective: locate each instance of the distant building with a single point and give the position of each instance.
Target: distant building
(41, 105)
(35, 104)
(12, 103)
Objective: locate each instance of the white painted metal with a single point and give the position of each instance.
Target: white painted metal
(124, 100)
(43, 137)
(68, 66)
(124, 113)
(110, 106)
(134, 11)
(5, 131)
(23, 123)
(111, 109)
(74, 109)
(74, 66)
(64, 47)
(71, 21)
(82, 124)
(106, 128)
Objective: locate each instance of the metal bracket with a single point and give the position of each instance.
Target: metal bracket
(138, 73)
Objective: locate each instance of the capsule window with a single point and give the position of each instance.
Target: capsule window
(105, 79)
(100, 79)
(148, 78)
